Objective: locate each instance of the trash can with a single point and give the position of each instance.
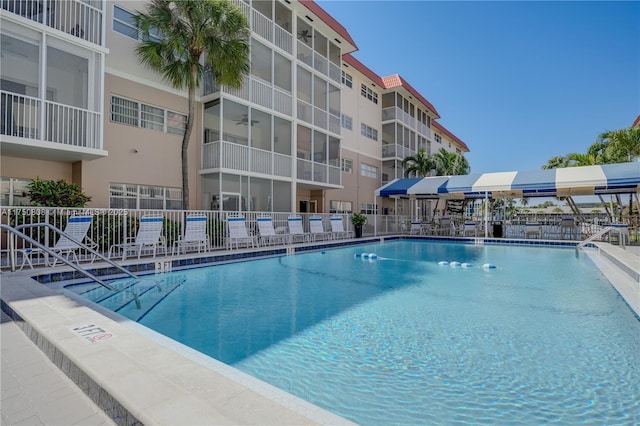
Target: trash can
(497, 229)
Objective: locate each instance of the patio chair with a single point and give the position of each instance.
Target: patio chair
(268, 235)
(337, 228)
(416, 228)
(470, 228)
(148, 237)
(295, 230)
(195, 235)
(445, 226)
(317, 229)
(567, 227)
(534, 229)
(76, 229)
(238, 232)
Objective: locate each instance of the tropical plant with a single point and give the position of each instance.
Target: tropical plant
(419, 164)
(556, 162)
(60, 193)
(187, 39)
(359, 219)
(450, 163)
(623, 145)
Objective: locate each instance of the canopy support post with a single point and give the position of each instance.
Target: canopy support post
(486, 214)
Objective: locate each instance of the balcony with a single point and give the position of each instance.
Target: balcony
(255, 90)
(315, 172)
(80, 18)
(396, 151)
(228, 155)
(48, 130)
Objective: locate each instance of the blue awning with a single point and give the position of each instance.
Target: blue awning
(587, 180)
(397, 187)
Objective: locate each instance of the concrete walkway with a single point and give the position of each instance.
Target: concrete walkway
(34, 391)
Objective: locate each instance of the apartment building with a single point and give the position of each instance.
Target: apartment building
(311, 130)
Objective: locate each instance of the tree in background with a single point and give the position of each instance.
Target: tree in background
(450, 163)
(184, 41)
(622, 145)
(420, 164)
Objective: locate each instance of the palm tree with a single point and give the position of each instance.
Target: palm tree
(450, 163)
(184, 40)
(622, 145)
(556, 162)
(419, 164)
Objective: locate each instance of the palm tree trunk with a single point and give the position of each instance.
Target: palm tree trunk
(185, 145)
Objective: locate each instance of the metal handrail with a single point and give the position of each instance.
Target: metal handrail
(600, 233)
(16, 232)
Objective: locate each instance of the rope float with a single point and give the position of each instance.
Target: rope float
(455, 264)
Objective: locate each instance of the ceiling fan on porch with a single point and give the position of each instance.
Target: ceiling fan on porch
(305, 35)
(245, 121)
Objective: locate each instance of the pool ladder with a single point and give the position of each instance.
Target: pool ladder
(598, 234)
(15, 232)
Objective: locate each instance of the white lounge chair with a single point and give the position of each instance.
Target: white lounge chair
(470, 228)
(238, 232)
(416, 228)
(268, 235)
(534, 229)
(567, 227)
(445, 226)
(148, 237)
(76, 229)
(317, 229)
(337, 228)
(296, 232)
(195, 235)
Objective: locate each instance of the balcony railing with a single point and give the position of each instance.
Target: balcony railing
(396, 151)
(23, 117)
(318, 172)
(229, 155)
(257, 91)
(80, 18)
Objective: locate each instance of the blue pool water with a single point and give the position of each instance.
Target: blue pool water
(402, 340)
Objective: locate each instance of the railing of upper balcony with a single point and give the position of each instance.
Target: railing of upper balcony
(396, 151)
(395, 113)
(257, 91)
(318, 172)
(318, 62)
(266, 28)
(24, 117)
(318, 117)
(229, 155)
(80, 18)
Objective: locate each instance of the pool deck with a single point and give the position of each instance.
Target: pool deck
(55, 370)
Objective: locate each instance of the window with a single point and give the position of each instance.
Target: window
(124, 111)
(152, 118)
(369, 132)
(124, 22)
(369, 94)
(437, 138)
(136, 114)
(368, 170)
(347, 80)
(368, 208)
(12, 190)
(132, 196)
(340, 206)
(346, 165)
(347, 122)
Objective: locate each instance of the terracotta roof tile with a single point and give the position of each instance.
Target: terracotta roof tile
(636, 123)
(396, 80)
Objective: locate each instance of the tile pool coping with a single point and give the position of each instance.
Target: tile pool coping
(139, 377)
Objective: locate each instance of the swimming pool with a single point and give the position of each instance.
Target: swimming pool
(541, 339)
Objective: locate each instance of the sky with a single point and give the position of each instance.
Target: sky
(519, 82)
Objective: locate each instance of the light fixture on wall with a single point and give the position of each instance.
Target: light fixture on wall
(134, 151)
